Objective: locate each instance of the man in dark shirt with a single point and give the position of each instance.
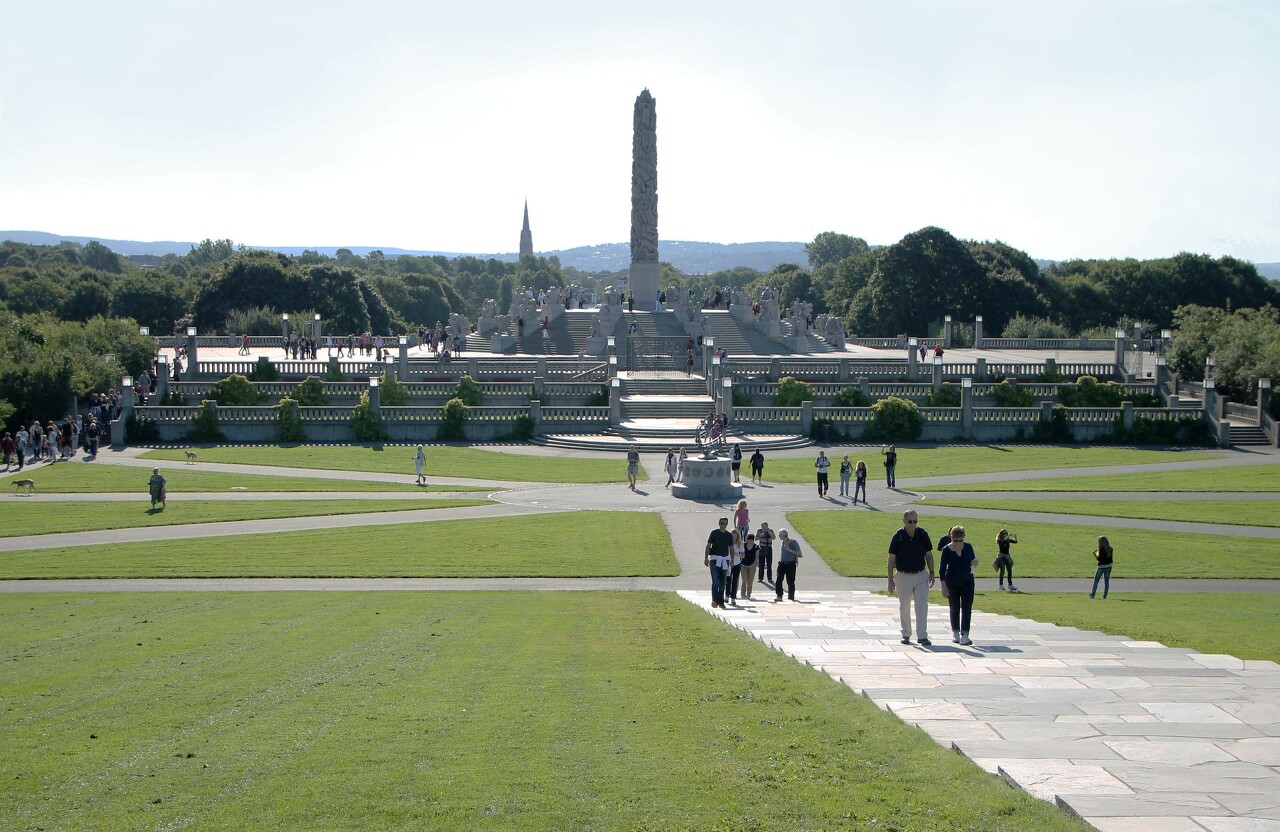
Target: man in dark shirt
(717, 557)
(910, 554)
(633, 466)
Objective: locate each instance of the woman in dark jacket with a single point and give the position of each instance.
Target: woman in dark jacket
(956, 572)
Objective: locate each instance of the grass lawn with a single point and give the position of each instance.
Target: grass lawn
(583, 544)
(1246, 626)
(953, 460)
(856, 543)
(93, 478)
(442, 461)
(1242, 478)
(48, 518)
(1222, 512)
(451, 711)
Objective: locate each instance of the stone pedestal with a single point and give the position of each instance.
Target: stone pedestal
(502, 342)
(643, 283)
(597, 345)
(707, 479)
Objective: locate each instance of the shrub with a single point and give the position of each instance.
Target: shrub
(948, 395)
(1087, 392)
(452, 417)
(1055, 428)
(334, 374)
(792, 393)
(365, 424)
(468, 391)
(393, 392)
(1024, 327)
(290, 420)
(600, 398)
(741, 398)
(824, 429)
(173, 399)
(253, 320)
(534, 397)
(1185, 430)
(310, 393)
(141, 430)
(1050, 377)
(204, 423)
(1006, 395)
(264, 370)
(852, 397)
(894, 420)
(236, 391)
(523, 430)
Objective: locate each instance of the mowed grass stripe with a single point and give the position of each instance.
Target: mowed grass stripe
(452, 711)
(954, 460)
(856, 544)
(1217, 512)
(1244, 625)
(442, 461)
(575, 544)
(1240, 478)
(94, 478)
(29, 518)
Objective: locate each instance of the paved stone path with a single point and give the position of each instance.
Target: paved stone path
(1131, 736)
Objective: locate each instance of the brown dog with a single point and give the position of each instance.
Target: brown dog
(29, 485)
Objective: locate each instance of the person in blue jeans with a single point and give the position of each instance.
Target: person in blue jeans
(717, 558)
(956, 572)
(1103, 556)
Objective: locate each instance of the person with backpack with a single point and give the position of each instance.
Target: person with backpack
(788, 560)
(764, 562)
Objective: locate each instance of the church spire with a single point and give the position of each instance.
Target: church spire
(526, 236)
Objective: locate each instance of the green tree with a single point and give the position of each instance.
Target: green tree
(830, 247)
(793, 393)
(97, 256)
(894, 420)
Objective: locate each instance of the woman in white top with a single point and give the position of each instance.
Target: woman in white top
(419, 460)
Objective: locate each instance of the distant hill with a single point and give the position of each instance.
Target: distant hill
(1271, 271)
(688, 257)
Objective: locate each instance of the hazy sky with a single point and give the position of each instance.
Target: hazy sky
(1079, 128)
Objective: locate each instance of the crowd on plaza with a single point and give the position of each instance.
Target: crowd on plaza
(57, 442)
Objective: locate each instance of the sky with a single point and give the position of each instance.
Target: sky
(1073, 128)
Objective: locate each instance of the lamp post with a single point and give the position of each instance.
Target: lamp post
(317, 330)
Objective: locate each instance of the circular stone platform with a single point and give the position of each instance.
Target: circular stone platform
(707, 479)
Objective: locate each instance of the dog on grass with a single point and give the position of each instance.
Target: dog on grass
(192, 459)
(29, 485)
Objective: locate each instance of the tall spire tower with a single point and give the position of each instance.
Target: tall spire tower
(644, 200)
(526, 236)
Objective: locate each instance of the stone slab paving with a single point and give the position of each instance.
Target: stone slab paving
(1127, 735)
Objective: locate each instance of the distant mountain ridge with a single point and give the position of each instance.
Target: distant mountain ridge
(687, 256)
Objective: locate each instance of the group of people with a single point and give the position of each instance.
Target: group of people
(737, 556)
(674, 464)
(855, 473)
(52, 442)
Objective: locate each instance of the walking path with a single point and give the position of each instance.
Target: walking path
(1131, 736)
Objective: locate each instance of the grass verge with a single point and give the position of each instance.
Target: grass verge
(442, 461)
(451, 711)
(1241, 478)
(1243, 625)
(1220, 512)
(953, 460)
(573, 544)
(50, 518)
(857, 544)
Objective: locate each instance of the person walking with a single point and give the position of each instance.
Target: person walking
(633, 466)
(419, 461)
(750, 552)
(683, 455)
(1105, 558)
(716, 557)
(910, 553)
(846, 474)
(788, 560)
(860, 482)
(823, 465)
(956, 573)
(735, 463)
(671, 466)
(688, 361)
(735, 566)
(764, 539)
(7, 446)
(156, 486)
(742, 519)
(1004, 561)
(890, 455)
(757, 467)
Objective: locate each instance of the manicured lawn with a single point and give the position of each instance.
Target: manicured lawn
(1221, 512)
(98, 478)
(442, 461)
(451, 711)
(567, 544)
(856, 543)
(1246, 626)
(953, 460)
(1239, 478)
(47, 518)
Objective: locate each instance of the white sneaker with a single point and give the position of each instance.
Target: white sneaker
(1002, 587)
(965, 640)
(1012, 588)
(955, 636)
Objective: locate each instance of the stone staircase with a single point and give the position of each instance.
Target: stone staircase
(650, 438)
(739, 338)
(1248, 435)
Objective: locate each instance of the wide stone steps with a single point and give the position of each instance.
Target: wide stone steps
(651, 441)
(1248, 435)
(692, 386)
(653, 407)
